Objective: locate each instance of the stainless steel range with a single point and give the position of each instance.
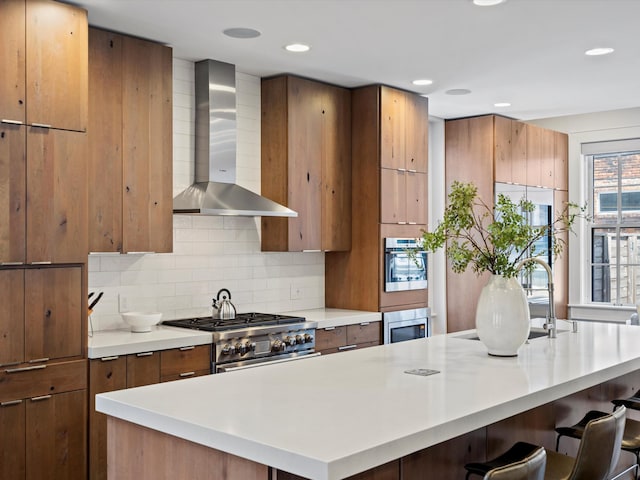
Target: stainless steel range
(252, 339)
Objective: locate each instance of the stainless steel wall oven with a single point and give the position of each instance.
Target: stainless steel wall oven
(401, 272)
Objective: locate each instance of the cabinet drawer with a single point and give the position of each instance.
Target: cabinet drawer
(185, 374)
(25, 381)
(143, 369)
(330, 338)
(187, 359)
(363, 333)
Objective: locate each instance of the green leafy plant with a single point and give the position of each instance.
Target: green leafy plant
(494, 239)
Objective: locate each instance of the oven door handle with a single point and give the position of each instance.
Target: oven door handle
(268, 362)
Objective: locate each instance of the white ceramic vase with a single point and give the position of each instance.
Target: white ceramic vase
(502, 316)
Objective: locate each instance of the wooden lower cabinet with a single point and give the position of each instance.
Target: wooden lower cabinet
(388, 471)
(134, 370)
(348, 337)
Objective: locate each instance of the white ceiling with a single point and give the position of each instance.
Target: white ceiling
(526, 52)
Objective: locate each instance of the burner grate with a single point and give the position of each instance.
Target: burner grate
(242, 320)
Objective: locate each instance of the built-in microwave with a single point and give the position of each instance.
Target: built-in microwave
(401, 271)
(406, 325)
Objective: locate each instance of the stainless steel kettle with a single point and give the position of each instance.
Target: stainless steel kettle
(223, 308)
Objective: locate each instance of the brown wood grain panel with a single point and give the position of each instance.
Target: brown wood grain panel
(56, 437)
(534, 155)
(336, 169)
(176, 360)
(184, 375)
(13, 440)
(327, 339)
(53, 313)
(274, 171)
(417, 132)
(469, 158)
(503, 157)
(57, 196)
(54, 378)
(393, 196)
(11, 316)
(143, 369)
(12, 60)
(519, 152)
(416, 195)
(561, 267)
(56, 72)
(104, 376)
(561, 161)
(392, 128)
(13, 195)
(364, 333)
(141, 453)
(105, 141)
(547, 158)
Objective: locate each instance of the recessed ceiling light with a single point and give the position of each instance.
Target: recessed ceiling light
(599, 51)
(488, 3)
(423, 81)
(241, 32)
(297, 47)
(458, 91)
(502, 104)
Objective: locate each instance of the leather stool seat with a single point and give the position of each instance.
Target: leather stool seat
(516, 453)
(633, 402)
(531, 467)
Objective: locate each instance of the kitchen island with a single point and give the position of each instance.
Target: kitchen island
(327, 418)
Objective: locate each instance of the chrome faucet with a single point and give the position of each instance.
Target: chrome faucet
(550, 324)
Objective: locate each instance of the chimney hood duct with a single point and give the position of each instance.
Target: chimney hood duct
(215, 191)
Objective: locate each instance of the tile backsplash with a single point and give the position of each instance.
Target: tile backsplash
(209, 253)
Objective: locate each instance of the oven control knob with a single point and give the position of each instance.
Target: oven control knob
(278, 346)
(308, 338)
(251, 346)
(228, 349)
(241, 348)
(290, 340)
(299, 339)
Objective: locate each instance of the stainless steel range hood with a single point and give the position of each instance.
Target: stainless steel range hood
(215, 191)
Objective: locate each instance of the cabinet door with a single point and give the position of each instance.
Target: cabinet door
(143, 369)
(185, 362)
(519, 152)
(416, 197)
(13, 439)
(305, 163)
(105, 141)
(393, 197)
(56, 436)
(364, 333)
(328, 340)
(502, 149)
(53, 313)
(547, 158)
(392, 126)
(561, 161)
(11, 317)
(534, 155)
(57, 196)
(56, 72)
(12, 61)
(147, 147)
(336, 169)
(417, 132)
(12, 193)
(105, 375)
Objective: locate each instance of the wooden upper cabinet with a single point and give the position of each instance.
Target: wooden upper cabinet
(53, 313)
(416, 133)
(130, 144)
(11, 317)
(57, 196)
(392, 126)
(306, 164)
(540, 156)
(561, 161)
(510, 151)
(12, 193)
(43, 58)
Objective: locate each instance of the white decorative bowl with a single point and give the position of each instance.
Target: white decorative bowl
(141, 321)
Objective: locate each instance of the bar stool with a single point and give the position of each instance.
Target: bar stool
(597, 455)
(531, 467)
(633, 402)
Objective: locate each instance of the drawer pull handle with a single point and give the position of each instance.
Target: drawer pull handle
(328, 329)
(144, 354)
(12, 122)
(402, 223)
(364, 324)
(184, 349)
(40, 125)
(347, 347)
(8, 264)
(412, 171)
(25, 369)
(140, 253)
(187, 374)
(39, 360)
(108, 359)
(12, 402)
(38, 399)
(41, 263)
(402, 169)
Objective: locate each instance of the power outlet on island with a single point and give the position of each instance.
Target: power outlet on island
(296, 292)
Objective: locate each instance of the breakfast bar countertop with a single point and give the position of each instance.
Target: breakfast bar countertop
(323, 429)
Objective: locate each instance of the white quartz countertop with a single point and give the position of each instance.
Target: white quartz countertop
(108, 343)
(333, 317)
(332, 416)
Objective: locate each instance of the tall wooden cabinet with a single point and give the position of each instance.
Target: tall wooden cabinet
(306, 164)
(389, 151)
(130, 144)
(489, 149)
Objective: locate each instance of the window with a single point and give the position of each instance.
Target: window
(614, 171)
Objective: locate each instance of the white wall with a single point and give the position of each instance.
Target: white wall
(209, 253)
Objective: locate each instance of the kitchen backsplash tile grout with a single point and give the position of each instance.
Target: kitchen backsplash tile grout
(209, 252)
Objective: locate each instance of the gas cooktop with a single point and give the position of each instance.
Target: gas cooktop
(242, 320)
